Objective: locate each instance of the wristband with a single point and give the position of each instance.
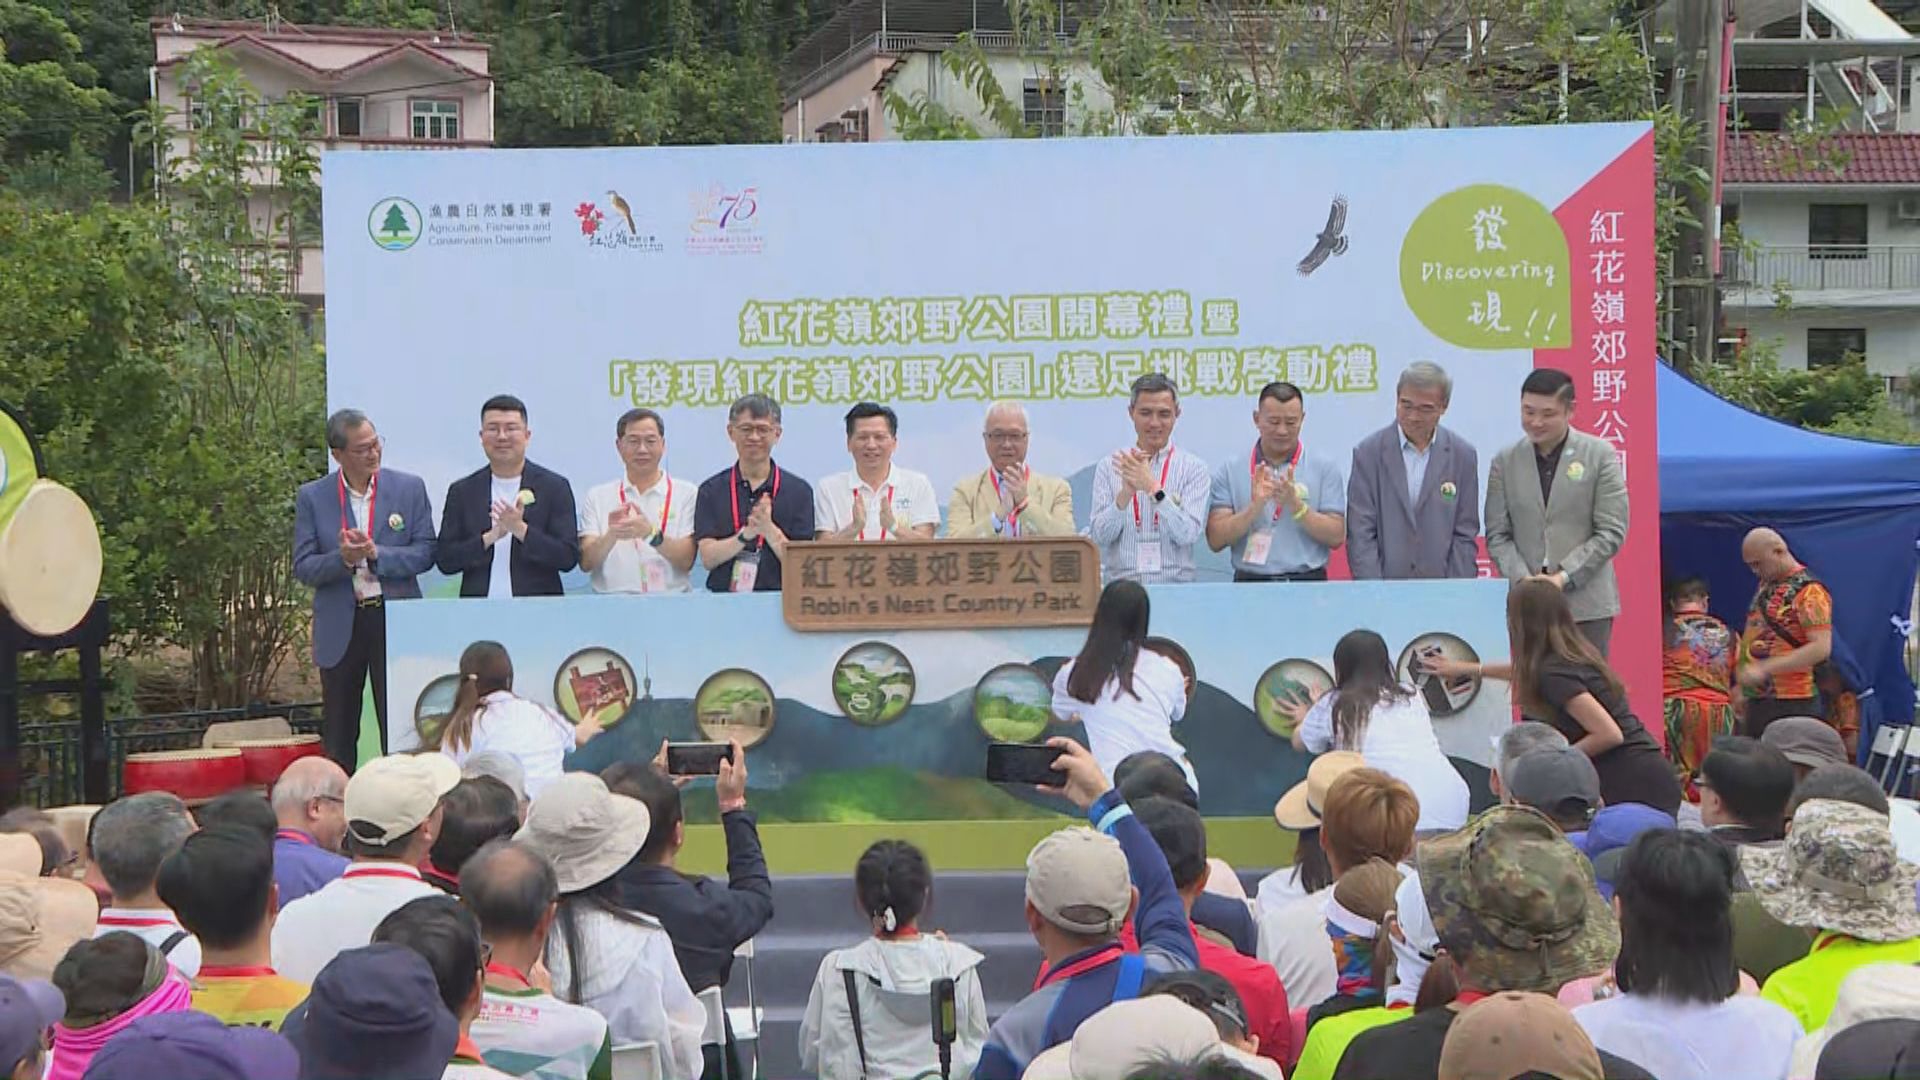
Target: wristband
(1300, 512)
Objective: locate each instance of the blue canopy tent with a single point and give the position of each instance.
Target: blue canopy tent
(1850, 509)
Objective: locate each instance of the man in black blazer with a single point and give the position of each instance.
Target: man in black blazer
(511, 500)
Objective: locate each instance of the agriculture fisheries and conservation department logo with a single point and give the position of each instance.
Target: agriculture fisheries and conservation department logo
(725, 220)
(394, 224)
(616, 226)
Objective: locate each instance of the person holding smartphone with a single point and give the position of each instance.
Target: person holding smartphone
(1559, 677)
(1129, 697)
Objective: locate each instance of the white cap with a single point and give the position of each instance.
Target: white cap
(392, 796)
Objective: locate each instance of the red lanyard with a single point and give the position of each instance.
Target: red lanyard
(734, 493)
(1013, 515)
(407, 874)
(373, 484)
(1106, 955)
(667, 508)
(883, 529)
(295, 836)
(1164, 466)
(1253, 467)
(134, 921)
(257, 971)
(506, 972)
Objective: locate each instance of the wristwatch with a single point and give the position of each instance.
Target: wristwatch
(743, 537)
(1160, 496)
(656, 538)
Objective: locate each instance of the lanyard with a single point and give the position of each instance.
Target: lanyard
(406, 874)
(505, 972)
(373, 485)
(667, 508)
(134, 921)
(1164, 466)
(1253, 467)
(888, 497)
(295, 836)
(1107, 955)
(733, 493)
(1013, 515)
(256, 971)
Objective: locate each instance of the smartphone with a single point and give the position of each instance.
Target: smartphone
(697, 758)
(1024, 763)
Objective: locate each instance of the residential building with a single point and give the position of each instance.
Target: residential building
(377, 90)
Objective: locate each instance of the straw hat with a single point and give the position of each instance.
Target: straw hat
(40, 918)
(1299, 809)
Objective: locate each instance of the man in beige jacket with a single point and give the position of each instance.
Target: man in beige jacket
(1009, 499)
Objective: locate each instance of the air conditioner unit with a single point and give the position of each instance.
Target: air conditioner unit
(1907, 208)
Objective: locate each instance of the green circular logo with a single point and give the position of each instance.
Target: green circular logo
(394, 224)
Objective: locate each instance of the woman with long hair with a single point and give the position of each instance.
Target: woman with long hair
(1128, 696)
(1679, 1014)
(1696, 678)
(488, 715)
(867, 1013)
(1371, 712)
(1559, 678)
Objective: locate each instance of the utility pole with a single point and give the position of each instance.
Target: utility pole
(1693, 298)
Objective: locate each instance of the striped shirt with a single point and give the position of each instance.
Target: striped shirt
(1172, 525)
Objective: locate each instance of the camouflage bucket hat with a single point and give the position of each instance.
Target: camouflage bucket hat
(1519, 900)
(1837, 870)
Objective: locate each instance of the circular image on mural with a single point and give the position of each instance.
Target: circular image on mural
(1444, 697)
(873, 683)
(1177, 653)
(734, 704)
(431, 710)
(595, 682)
(1013, 703)
(1287, 682)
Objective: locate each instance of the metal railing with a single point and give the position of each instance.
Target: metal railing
(50, 750)
(1823, 266)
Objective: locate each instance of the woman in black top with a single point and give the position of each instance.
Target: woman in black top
(1561, 679)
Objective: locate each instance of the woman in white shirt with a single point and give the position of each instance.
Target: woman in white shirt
(1678, 1014)
(1370, 711)
(489, 716)
(888, 979)
(1128, 696)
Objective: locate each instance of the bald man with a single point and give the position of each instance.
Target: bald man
(1789, 632)
(1009, 499)
(309, 801)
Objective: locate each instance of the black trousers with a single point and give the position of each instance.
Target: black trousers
(1598, 632)
(1318, 573)
(343, 686)
(1764, 711)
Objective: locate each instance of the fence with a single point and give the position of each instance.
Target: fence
(1820, 267)
(50, 750)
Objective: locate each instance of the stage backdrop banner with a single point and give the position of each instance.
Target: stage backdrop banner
(936, 277)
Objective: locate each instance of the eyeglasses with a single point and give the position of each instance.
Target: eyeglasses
(1006, 436)
(1418, 410)
(366, 450)
(755, 431)
(494, 431)
(636, 442)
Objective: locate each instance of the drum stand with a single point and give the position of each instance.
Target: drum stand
(88, 638)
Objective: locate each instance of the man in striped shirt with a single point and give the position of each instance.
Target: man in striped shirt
(1150, 499)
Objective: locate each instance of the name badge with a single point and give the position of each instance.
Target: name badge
(365, 585)
(1146, 555)
(746, 570)
(1259, 545)
(653, 575)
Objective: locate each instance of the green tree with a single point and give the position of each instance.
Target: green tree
(1842, 399)
(55, 124)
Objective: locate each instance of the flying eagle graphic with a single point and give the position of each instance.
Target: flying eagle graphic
(626, 212)
(1331, 241)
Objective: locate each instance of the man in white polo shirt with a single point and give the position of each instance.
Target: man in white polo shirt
(876, 500)
(636, 533)
(126, 843)
(393, 818)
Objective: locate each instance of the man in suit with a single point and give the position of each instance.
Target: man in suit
(1008, 498)
(360, 535)
(1557, 506)
(513, 501)
(1413, 496)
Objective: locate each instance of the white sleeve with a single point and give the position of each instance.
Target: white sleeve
(1317, 729)
(810, 1025)
(587, 518)
(679, 521)
(1066, 707)
(823, 519)
(1172, 686)
(926, 505)
(686, 1018)
(973, 1023)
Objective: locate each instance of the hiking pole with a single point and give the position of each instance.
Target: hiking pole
(946, 1024)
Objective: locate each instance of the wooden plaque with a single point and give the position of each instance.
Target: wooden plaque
(940, 584)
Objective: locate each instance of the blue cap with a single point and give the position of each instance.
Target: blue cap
(193, 1044)
(374, 1011)
(28, 1008)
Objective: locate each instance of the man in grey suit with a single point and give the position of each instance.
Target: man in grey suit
(1557, 506)
(360, 535)
(1413, 494)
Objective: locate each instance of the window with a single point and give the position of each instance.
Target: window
(1044, 107)
(1825, 348)
(436, 120)
(1837, 230)
(346, 118)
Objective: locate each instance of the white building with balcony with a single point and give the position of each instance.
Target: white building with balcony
(1831, 259)
(378, 90)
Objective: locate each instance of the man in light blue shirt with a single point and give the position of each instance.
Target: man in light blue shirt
(1281, 509)
(1149, 500)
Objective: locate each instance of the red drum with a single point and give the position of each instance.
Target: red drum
(190, 774)
(266, 759)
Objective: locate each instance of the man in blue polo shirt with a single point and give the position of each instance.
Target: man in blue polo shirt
(1281, 509)
(1083, 886)
(309, 801)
